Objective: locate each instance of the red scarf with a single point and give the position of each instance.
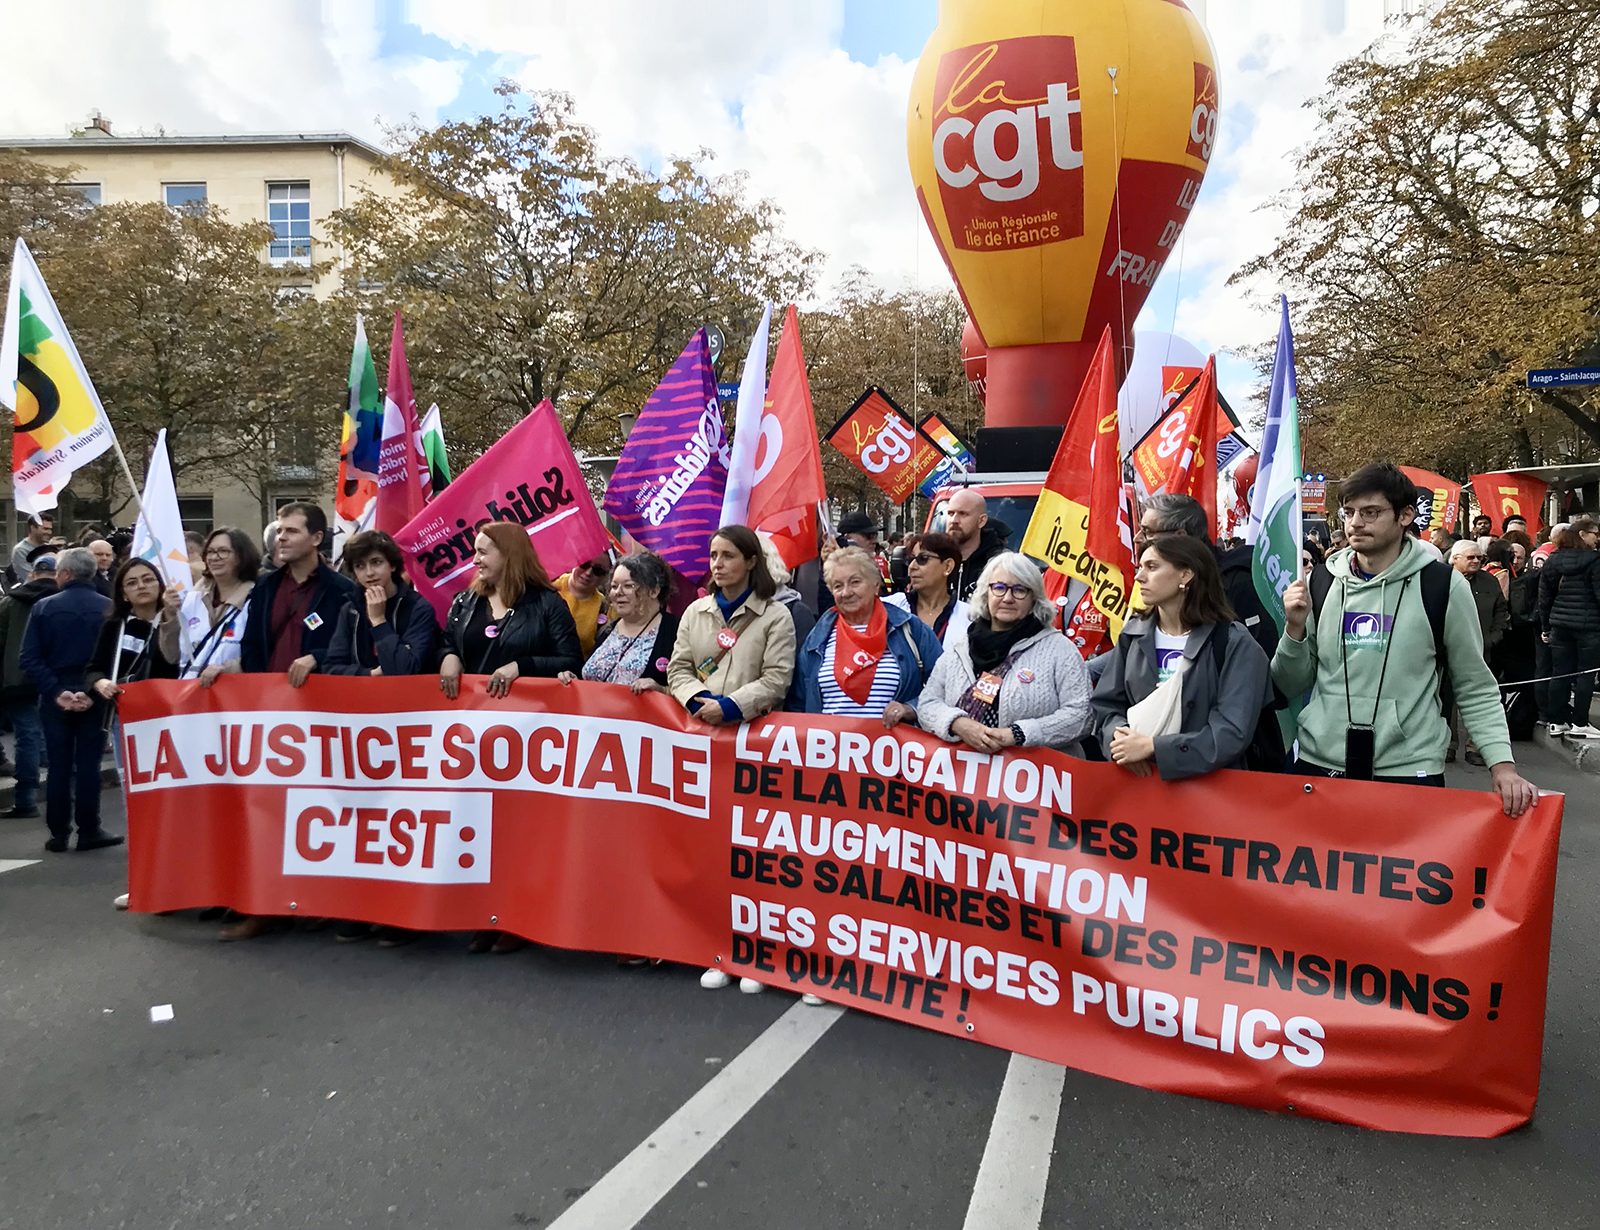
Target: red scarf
(856, 654)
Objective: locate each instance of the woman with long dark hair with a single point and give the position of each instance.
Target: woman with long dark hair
(1212, 678)
(508, 624)
(127, 648)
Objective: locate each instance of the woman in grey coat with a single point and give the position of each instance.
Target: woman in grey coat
(1010, 680)
(1184, 610)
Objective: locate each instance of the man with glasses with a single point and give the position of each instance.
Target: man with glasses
(1372, 635)
(581, 590)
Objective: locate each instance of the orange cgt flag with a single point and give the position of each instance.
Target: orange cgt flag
(1179, 453)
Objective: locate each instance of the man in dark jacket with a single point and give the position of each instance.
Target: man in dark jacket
(18, 697)
(1494, 617)
(294, 609)
(966, 519)
(56, 649)
(1183, 514)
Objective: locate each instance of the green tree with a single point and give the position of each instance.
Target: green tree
(528, 267)
(1442, 240)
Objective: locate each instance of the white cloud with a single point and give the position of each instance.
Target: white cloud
(192, 66)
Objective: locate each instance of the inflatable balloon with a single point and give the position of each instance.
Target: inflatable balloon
(1163, 365)
(974, 358)
(1057, 147)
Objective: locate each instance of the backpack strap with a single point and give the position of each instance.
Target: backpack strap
(1435, 587)
(1321, 583)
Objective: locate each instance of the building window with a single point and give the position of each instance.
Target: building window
(89, 192)
(289, 213)
(195, 512)
(188, 197)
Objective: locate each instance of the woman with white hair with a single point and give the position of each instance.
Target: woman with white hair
(864, 659)
(1012, 680)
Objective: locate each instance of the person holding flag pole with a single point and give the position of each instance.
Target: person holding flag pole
(1373, 633)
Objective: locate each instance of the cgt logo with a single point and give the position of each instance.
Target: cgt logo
(1008, 142)
(412, 836)
(891, 446)
(1203, 119)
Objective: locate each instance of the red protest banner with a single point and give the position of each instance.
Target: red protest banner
(1511, 495)
(529, 476)
(1438, 499)
(1329, 948)
(878, 436)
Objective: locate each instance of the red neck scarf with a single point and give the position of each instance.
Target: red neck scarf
(856, 654)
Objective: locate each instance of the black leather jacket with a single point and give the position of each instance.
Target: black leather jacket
(538, 634)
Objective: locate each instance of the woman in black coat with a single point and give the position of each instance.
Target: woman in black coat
(509, 622)
(1569, 619)
(127, 648)
(387, 629)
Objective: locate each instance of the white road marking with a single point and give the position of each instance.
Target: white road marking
(1009, 1192)
(634, 1186)
(11, 864)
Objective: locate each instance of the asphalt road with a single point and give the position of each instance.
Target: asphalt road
(304, 1083)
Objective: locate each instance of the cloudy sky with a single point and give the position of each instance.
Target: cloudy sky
(806, 96)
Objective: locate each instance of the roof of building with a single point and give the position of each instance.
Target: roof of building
(96, 141)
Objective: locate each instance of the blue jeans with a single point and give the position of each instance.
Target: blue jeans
(75, 742)
(24, 716)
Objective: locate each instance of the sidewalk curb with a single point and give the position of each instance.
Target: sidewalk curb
(1583, 753)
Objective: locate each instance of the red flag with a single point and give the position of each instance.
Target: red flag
(1110, 536)
(400, 462)
(1511, 495)
(788, 463)
(1179, 453)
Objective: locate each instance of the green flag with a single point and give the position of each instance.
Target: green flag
(433, 449)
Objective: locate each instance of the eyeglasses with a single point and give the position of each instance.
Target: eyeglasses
(218, 552)
(1000, 589)
(1364, 514)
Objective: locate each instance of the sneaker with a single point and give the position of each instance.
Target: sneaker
(99, 839)
(20, 813)
(750, 986)
(1586, 731)
(714, 979)
(1555, 729)
(120, 903)
(812, 1001)
(354, 932)
(1475, 758)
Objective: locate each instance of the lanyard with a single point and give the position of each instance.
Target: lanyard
(1344, 650)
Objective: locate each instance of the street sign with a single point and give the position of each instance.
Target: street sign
(714, 342)
(1551, 377)
(728, 392)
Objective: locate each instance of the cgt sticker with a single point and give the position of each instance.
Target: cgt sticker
(411, 836)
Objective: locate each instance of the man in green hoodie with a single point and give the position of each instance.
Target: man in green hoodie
(1368, 656)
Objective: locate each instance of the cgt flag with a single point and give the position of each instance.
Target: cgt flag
(528, 476)
(1080, 526)
(58, 424)
(1511, 495)
(667, 489)
(786, 483)
(876, 435)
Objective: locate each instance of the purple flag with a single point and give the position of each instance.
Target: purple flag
(667, 488)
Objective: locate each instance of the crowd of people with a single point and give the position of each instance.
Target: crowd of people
(1391, 654)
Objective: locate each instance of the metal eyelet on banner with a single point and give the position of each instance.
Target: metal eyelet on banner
(969, 1027)
(1308, 787)
(719, 960)
(294, 905)
(494, 918)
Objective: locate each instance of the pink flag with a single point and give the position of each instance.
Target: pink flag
(528, 476)
(400, 464)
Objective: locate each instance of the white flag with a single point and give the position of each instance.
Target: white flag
(158, 535)
(747, 426)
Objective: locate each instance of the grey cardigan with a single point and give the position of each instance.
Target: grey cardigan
(1046, 691)
(1219, 712)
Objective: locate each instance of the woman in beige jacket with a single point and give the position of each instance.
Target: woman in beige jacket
(734, 656)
